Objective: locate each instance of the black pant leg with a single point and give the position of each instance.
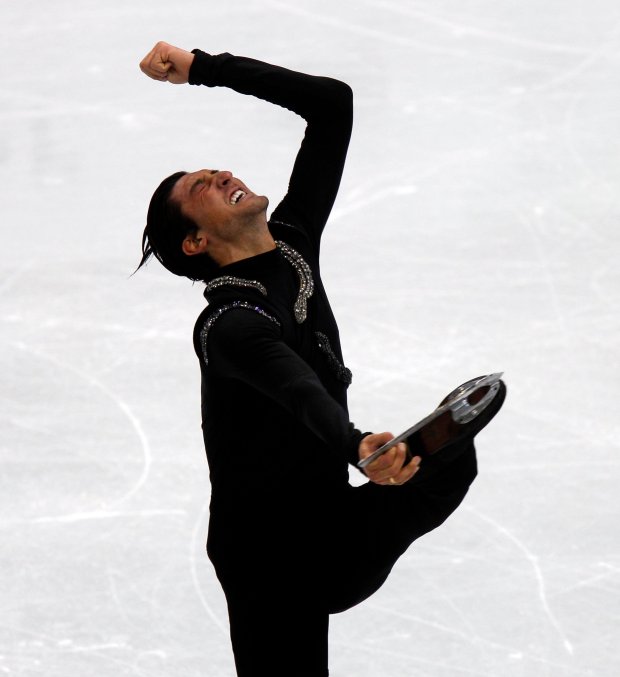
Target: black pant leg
(268, 564)
(277, 632)
(386, 520)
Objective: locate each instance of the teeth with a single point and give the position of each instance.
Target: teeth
(236, 196)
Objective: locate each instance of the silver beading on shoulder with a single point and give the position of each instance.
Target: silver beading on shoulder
(216, 314)
(231, 281)
(342, 373)
(306, 283)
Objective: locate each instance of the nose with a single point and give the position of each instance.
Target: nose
(222, 178)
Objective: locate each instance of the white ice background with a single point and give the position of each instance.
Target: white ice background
(476, 230)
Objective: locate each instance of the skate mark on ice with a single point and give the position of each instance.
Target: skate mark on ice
(120, 404)
(605, 49)
(103, 514)
(593, 170)
(538, 575)
(477, 640)
(411, 659)
(611, 572)
(473, 638)
(360, 198)
(534, 230)
(463, 30)
(347, 26)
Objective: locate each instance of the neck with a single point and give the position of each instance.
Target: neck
(225, 253)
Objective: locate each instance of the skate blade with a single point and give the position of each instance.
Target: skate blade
(457, 402)
(460, 403)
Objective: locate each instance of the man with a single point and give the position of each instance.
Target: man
(291, 540)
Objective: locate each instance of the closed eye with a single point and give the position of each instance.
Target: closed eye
(201, 181)
(195, 185)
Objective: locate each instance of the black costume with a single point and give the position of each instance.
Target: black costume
(290, 539)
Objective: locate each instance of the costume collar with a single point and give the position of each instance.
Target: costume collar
(256, 272)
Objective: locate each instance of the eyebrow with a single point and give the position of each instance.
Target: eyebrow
(200, 180)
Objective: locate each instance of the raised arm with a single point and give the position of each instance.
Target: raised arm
(326, 105)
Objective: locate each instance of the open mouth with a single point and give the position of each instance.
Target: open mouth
(237, 196)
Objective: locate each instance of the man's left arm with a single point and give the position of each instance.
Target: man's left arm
(245, 346)
(324, 103)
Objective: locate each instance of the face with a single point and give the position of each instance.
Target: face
(222, 206)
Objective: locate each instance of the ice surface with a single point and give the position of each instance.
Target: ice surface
(476, 231)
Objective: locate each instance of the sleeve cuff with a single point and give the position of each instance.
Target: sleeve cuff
(205, 68)
(354, 442)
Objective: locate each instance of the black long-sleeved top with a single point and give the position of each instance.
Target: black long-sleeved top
(274, 404)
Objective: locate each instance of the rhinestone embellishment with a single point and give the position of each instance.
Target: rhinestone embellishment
(342, 373)
(204, 333)
(234, 282)
(306, 283)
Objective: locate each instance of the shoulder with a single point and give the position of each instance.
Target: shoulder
(294, 234)
(232, 327)
(285, 226)
(234, 319)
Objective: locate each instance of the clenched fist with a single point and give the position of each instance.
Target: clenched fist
(167, 63)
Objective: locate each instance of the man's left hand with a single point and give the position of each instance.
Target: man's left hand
(391, 468)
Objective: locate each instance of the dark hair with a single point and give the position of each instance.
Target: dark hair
(166, 228)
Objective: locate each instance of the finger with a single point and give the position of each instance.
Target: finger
(379, 439)
(372, 442)
(408, 471)
(160, 68)
(383, 473)
(403, 474)
(155, 64)
(385, 463)
(146, 65)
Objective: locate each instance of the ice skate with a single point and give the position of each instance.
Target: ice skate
(461, 415)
